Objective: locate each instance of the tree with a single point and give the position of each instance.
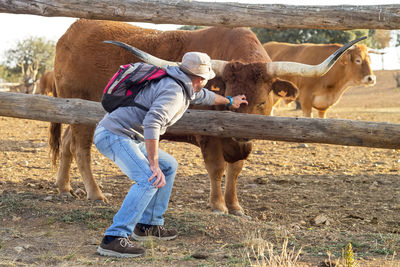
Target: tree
(8, 74)
(397, 38)
(381, 39)
(190, 27)
(29, 58)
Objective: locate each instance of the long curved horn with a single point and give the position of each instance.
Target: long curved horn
(146, 57)
(304, 70)
(373, 51)
(217, 65)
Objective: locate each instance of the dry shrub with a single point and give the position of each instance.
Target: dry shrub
(261, 253)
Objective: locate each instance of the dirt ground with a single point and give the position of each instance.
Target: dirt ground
(317, 197)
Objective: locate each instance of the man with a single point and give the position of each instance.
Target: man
(119, 137)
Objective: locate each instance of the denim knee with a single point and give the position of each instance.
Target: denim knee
(173, 165)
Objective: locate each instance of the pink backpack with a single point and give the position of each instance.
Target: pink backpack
(126, 83)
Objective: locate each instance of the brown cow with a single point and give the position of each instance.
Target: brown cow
(47, 83)
(323, 92)
(84, 64)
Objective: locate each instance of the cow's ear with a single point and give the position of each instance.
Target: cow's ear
(285, 89)
(346, 58)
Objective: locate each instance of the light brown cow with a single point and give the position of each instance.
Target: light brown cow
(84, 64)
(47, 83)
(323, 92)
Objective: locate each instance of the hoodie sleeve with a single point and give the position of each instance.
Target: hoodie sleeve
(167, 103)
(204, 97)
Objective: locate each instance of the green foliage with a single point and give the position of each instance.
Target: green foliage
(28, 58)
(298, 36)
(8, 74)
(381, 39)
(30, 51)
(190, 27)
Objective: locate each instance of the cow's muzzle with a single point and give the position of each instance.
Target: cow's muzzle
(369, 80)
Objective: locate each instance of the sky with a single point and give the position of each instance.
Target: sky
(17, 27)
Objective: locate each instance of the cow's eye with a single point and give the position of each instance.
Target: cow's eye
(358, 61)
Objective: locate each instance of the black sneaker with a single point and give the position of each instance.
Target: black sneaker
(142, 233)
(120, 247)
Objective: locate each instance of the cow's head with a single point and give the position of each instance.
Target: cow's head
(356, 63)
(251, 79)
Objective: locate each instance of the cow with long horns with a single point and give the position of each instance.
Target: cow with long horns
(321, 93)
(84, 64)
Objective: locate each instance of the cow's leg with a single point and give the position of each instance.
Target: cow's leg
(306, 106)
(215, 165)
(63, 179)
(81, 143)
(322, 113)
(231, 199)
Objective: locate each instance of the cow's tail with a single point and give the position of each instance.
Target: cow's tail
(54, 90)
(54, 137)
(54, 142)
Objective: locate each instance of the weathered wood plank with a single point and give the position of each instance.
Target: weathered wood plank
(273, 16)
(214, 123)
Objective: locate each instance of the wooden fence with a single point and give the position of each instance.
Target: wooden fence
(273, 16)
(215, 123)
(223, 124)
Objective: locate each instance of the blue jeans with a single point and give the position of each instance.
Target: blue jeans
(144, 203)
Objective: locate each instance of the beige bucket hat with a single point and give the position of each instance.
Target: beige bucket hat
(198, 64)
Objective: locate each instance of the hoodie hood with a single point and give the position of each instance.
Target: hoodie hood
(176, 73)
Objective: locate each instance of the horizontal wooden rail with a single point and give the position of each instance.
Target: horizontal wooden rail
(214, 123)
(273, 16)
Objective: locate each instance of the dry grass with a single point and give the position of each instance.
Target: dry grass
(262, 253)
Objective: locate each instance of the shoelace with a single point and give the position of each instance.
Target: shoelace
(161, 229)
(124, 241)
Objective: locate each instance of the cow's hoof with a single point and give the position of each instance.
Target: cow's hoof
(218, 211)
(239, 213)
(68, 195)
(101, 201)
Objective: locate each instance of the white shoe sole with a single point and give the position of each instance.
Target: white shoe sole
(146, 238)
(111, 253)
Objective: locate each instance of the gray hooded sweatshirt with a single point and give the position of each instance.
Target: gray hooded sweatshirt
(166, 100)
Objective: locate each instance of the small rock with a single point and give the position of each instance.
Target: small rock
(251, 186)
(374, 185)
(320, 219)
(92, 241)
(261, 180)
(295, 226)
(27, 246)
(18, 249)
(48, 198)
(16, 218)
(200, 255)
(303, 145)
(374, 220)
